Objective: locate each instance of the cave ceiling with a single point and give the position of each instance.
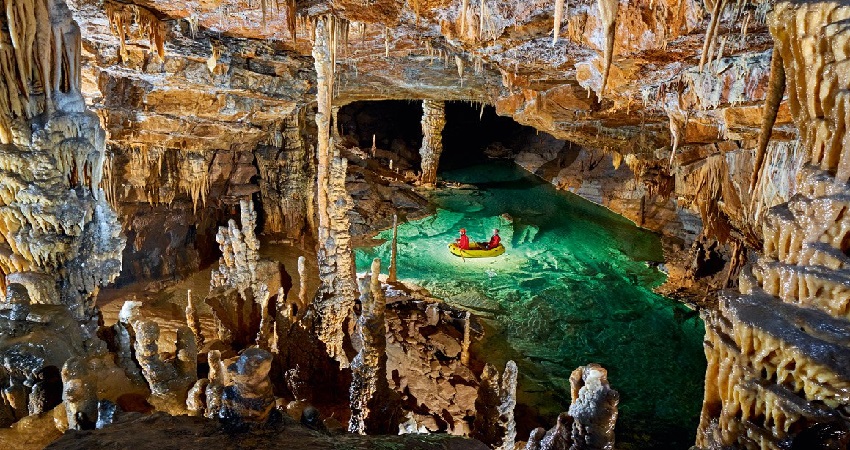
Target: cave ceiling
(230, 71)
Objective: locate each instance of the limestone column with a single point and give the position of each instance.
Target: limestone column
(338, 288)
(433, 121)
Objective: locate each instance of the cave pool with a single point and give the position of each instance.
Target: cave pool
(573, 287)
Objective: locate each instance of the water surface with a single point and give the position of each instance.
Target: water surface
(573, 287)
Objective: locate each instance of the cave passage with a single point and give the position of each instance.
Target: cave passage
(573, 288)
(471, 134)
(395, 125)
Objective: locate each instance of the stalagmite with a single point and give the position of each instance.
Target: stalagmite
(302, 283)
(464, 347)
(608, 14)
(79, 393)
(369, 392)
(433, 121)
(193, 321)
(393, 272)
(494, 421)
(247, 394)
(593, 408)
(264, 335)
(169, 380)
(558, 438)
(336, 261)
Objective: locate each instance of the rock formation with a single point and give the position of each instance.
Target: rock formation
(371, 405)
(169, 380)
(163, 120)
(248, 394)
(240, 288)
(494, 420)
(593, 409)
(35, 342)
(56, 222)
(336, 264)
(79, 394)
(433, 121)
(558, 438)
(777, 352)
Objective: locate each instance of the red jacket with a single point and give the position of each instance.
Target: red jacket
(494, 241)
(463, 242)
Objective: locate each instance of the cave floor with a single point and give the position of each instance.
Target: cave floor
(574, 287)
(165, 301)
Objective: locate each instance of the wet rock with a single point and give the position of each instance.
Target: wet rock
(195, 433)
(248, 395)
(593, 408)
(169, 380)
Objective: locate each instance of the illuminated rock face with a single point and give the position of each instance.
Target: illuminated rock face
(55, 223)
(778, 353)
(433, 121)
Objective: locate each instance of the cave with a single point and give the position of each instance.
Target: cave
(445, 225)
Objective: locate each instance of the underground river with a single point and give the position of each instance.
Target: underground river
(573, 287)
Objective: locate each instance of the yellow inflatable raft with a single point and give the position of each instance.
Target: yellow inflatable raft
(476, 251)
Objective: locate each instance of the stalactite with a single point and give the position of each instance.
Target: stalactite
(559, 18)
(775, 92)
(463, 15)
(121, 17)
(608, 14)
(678, 125)
(711, 31)
(386, 42)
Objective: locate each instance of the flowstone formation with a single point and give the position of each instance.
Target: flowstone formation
(589, 424)
(58, 235)
(778, 355)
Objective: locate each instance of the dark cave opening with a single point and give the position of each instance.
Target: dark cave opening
(472, 132)
(395, 125)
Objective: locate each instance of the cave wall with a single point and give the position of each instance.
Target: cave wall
(59, 237)
(211, 109)
(778, 356)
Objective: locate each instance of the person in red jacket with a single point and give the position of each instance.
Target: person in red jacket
(495, 240)
(463, 240)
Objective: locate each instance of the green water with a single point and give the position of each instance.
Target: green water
(579, 292)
